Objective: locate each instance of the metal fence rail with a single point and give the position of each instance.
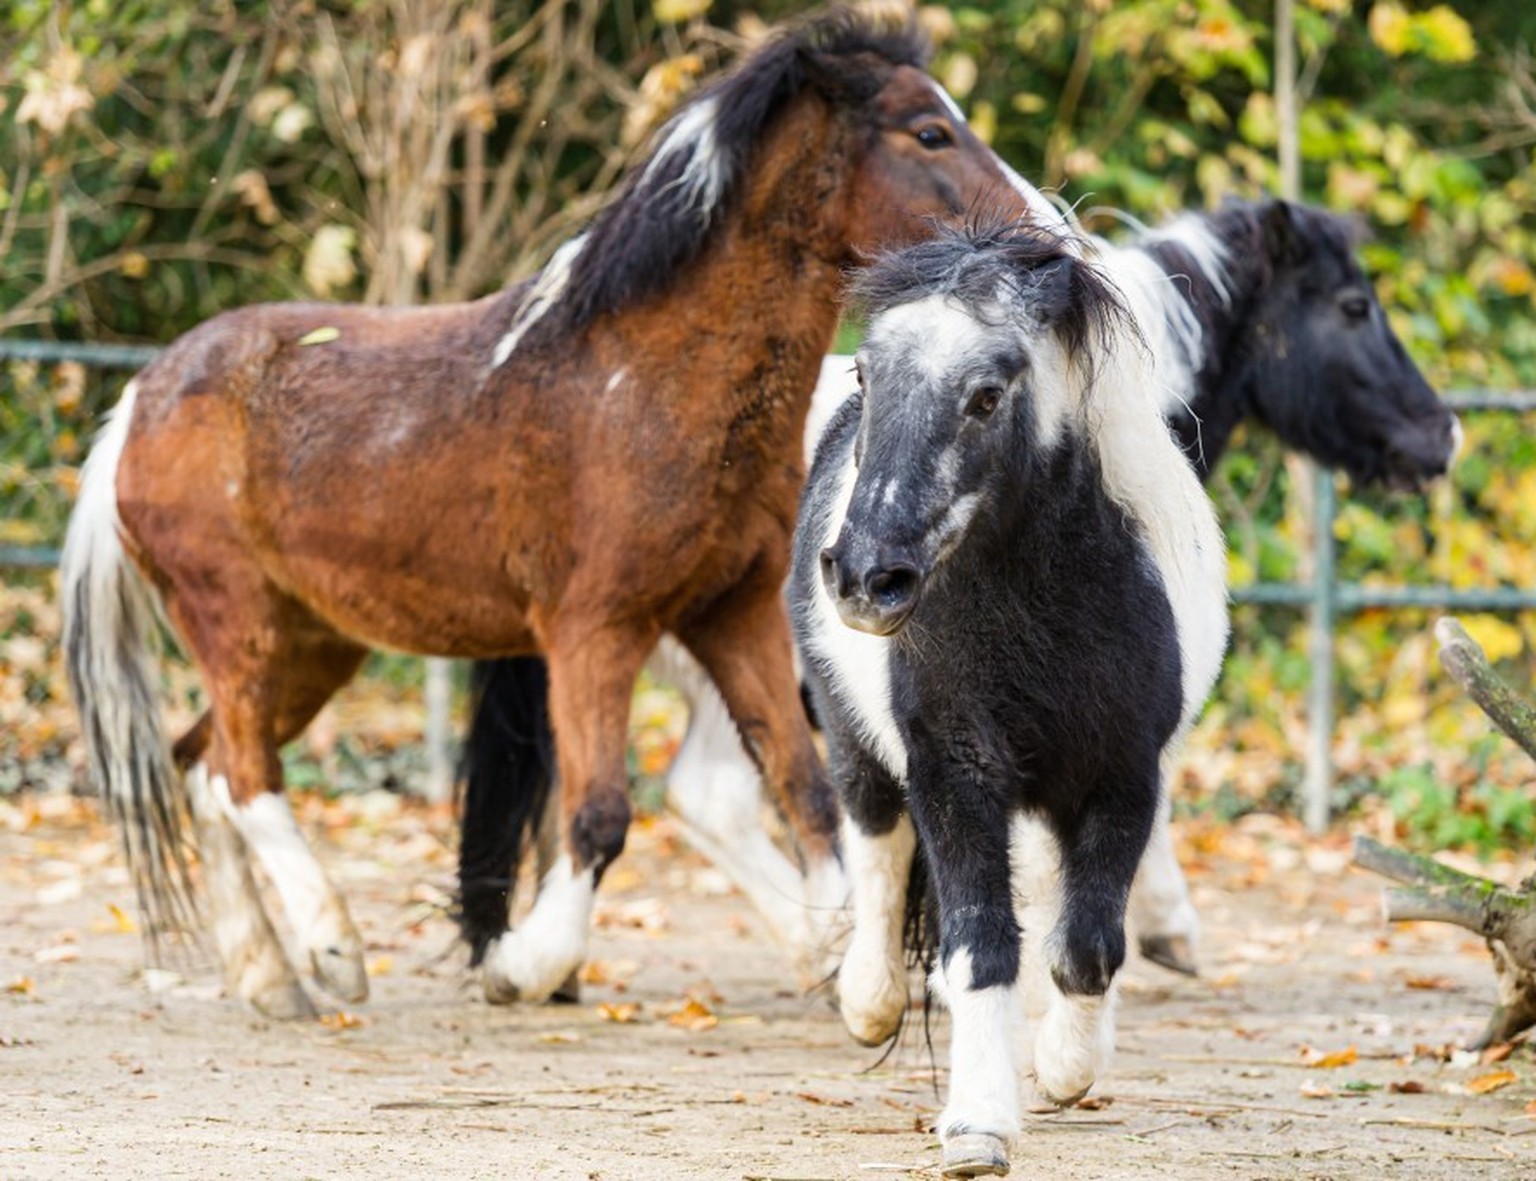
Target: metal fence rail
(1323, 596)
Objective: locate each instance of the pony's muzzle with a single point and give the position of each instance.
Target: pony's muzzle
(873, 596)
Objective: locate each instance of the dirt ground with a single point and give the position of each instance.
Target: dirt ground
(1318, 1044)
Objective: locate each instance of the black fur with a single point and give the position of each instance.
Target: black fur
(508, 772)
(1283, 349)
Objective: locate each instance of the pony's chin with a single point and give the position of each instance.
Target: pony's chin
(874, 623)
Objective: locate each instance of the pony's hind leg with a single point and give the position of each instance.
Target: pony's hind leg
(1164, 918)
(744, 646)
(591, 678)
(1100, 848)
(716, 792)
(265, 684)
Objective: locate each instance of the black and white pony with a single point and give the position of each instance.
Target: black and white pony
(1261, 312)
(1008, 591)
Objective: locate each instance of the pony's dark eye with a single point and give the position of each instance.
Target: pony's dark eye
(1355, 306)
(933, 136)
(983, 402)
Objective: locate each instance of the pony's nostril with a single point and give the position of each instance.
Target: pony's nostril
(891, 587)
(833, 577)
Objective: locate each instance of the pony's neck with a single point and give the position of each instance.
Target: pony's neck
(1215, 267)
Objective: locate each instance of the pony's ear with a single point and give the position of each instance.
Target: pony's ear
(825, 73)
(1278, 220)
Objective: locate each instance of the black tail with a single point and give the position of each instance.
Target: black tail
(920, 933)
(508, 772)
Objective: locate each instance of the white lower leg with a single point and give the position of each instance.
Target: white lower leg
(872, 982)
(1074, 1044)
(533, 961)
(255, 965)
(983, 1076)
(315, 909)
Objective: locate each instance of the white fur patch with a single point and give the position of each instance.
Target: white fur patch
(543, 295)
(1074, 1044)
(872, 983)
(551, 942)
(983, 1078)
(692, 133)
(272, 834)
(835, 386)
(1147, 474)
(858, 663)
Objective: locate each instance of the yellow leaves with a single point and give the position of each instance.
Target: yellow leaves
(694, 1016)
(133, 265)
(959, 74)
(22, 986)
(328, 263)
(619, 1012)
(342, 1020)
(676, 12)
(1492, 1081)
(1345, 1057)
(1439, 34)
(320, 336)
(122, 921)
(1498, 638)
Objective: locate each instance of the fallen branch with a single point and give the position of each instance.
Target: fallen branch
(1506, 709)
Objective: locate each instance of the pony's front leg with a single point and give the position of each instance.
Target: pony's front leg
(716, 791)
(1100, 848)
(965, 841)
(1163, 916)
(591, 678)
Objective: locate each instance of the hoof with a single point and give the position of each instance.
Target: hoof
(340, 974)
(568, 993)
(1061, 1101)
(1173, 952)
(498, 989)
(975, 1154)
(283, 1002)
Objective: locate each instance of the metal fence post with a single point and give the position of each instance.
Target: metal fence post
(1318, 784)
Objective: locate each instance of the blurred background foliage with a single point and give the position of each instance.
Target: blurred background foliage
(159, 163)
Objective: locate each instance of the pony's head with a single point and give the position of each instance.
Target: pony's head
(1321, 365)
(832, 127)
(980, 347)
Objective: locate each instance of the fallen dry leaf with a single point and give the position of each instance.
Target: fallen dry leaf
(558, 1039)
(1317, 1091)
(122, 920)
(22, 986)
(1094, 1102)
(1345, 1057)
(1497, 1053)
(381, 965)
(622, 1012)
(695, 1015)
(1431, 983)
(342, 1020)
(823, 1100)
(1491, 1081)
(1406, 1087)
(1530, 1108)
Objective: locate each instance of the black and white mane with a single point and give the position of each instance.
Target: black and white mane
(662, 215)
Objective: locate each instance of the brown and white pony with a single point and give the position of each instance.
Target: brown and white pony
(572, 467)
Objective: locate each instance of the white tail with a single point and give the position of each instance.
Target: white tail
(111, 629)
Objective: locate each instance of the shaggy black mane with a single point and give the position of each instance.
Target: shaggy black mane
(977, 261)
(656, 226)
